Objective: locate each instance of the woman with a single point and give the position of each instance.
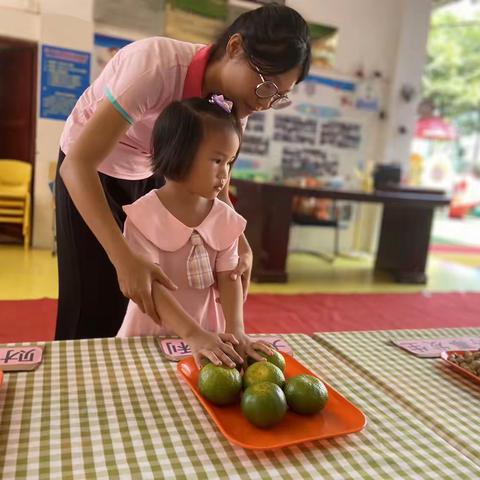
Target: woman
(104, 159)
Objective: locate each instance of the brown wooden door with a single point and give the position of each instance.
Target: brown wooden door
(18, 92)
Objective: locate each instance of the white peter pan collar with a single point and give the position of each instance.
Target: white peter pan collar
(220, 228)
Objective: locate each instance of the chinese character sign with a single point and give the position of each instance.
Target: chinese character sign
(176, 349)
(20, 358)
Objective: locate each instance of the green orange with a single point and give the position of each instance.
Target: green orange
(305, 394)
(260, 372)
(276, 358)
(219, 384)
(264, 404)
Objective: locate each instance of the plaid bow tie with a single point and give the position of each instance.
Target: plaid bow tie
(199, 270)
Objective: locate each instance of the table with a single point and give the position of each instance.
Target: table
(404, 235)
(113, 408)
(445, 401)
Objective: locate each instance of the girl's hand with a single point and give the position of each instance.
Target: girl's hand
(244, 267)
(135, 278)
(217, 347)
(247, 347)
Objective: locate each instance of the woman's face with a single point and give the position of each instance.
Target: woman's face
(240, 79)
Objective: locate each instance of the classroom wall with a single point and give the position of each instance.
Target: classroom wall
(389, 36)
(385, 35)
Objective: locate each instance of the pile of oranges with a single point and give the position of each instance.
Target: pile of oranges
(263, 390)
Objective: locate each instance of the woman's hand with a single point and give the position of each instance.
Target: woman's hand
(135, 278)
(244, 267)
(248, 347)
(216, 347)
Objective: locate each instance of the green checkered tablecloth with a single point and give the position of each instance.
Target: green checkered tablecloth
(425, 388)
(114, 408)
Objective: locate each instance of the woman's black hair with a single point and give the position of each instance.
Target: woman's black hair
(275, 37)
(178, 131)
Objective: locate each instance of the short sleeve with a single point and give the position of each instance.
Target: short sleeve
(134, 81)
(138, 242)
(227, 259)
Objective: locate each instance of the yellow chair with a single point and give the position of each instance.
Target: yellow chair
(15, 179)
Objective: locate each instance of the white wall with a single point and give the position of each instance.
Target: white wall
(21, 24)
(63, 23)
(376, 35)
(409, 65)
(384, 35)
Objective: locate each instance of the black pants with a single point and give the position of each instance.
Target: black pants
(90, 303)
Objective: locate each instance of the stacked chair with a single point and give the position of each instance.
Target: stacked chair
(15, 201)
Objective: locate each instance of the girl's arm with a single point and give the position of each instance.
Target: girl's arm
(232, 304)
(245, 261)
(216, 347)
(79, 173)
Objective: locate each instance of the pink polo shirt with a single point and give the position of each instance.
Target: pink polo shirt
(151, 230)
(139, 81)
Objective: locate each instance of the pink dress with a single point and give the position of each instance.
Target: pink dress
(151, 230)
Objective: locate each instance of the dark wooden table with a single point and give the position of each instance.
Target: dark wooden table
(404, 235)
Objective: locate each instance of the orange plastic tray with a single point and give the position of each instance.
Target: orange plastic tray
(339, 417)
(444, 356)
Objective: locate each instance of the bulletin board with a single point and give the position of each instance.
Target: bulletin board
(65, 74)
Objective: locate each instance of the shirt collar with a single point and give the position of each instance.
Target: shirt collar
(195, 73)
(220, 228)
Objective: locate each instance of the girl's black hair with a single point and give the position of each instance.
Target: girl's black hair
(178, 131)
(275, 37)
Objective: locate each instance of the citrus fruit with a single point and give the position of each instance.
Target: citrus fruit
(204, 361)
(305, 394)
(260, 372)
(264, 404)
(276, 358)
(219, 384)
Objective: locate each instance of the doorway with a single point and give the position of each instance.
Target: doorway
(18, 93)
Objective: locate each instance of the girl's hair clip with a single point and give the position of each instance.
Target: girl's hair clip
(227, 105)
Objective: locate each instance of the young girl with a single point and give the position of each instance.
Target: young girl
(105, 151)
(191, 235)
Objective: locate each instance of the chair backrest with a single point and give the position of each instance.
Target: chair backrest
(15, 172)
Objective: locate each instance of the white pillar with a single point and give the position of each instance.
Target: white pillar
(65, 24)
(409, 66)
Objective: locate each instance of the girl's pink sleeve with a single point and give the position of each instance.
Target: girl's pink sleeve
(227, 259)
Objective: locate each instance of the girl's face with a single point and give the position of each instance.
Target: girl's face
(240, 79)
(213, 162)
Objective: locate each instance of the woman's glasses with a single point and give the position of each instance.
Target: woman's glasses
(269, 89)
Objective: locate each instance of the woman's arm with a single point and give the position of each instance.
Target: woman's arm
(232, 305)
(79, 173)
(215, 347)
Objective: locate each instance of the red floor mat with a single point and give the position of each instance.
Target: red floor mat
(456, 249)
(34, 320)
(345, 312)
(27, 320)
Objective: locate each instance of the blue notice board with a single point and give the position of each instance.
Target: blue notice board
(65, 76)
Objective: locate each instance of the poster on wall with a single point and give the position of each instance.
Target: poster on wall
(104, 48)
(65, 74)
